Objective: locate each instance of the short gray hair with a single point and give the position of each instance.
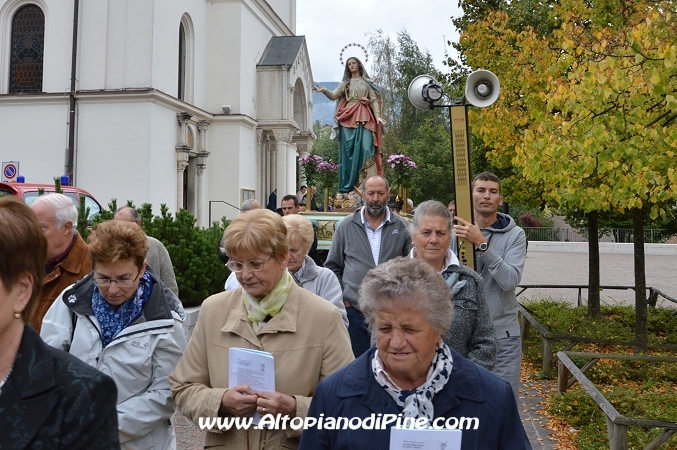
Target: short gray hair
(409, 283)
(64, 209)
(430, 208)
(133, 213)
(250, 204)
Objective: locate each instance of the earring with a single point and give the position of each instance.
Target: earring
(17, 315)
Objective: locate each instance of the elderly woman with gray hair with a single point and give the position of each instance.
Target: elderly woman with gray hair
(412, 372)
(472, 331)
(311, 277)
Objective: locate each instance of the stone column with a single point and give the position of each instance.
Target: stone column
(202, 155)
(282, 141)
(182, 154)
(292, 167)
(182, 133)
(303, 151)
(181, 165)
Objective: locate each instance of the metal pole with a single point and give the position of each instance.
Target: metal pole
(70, 161)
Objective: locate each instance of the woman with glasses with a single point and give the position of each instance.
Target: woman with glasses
(124, 321)
(311, 277)
(269, 312)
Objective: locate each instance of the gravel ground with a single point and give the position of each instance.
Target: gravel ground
(188, 436)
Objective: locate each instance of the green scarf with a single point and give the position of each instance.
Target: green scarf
(260, 311)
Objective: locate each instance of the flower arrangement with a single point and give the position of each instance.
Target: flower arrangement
(402, 168)
(310, 164)
(327, 174)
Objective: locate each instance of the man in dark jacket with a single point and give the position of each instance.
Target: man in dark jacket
(369, 236)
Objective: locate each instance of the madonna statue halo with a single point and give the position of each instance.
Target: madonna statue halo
(354, 44)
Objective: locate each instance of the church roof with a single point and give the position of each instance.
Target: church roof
(282, 51)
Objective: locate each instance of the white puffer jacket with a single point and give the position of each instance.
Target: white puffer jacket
(139, 359)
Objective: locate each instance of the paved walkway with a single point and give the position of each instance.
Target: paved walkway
(615, 270)
(542, 268)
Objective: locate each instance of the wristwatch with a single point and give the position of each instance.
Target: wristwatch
(483, 246)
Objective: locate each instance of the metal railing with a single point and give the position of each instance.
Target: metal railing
(651, 235)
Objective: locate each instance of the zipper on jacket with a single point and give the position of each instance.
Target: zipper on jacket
(100, 337)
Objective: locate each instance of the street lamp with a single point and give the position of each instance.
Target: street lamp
(218, 201)
(481, 89)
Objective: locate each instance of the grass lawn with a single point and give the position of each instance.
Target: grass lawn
(636, 389)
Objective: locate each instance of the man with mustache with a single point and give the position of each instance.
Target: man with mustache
(369, 236)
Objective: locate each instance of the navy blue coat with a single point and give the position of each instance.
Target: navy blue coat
(52, 400)
(471, 392)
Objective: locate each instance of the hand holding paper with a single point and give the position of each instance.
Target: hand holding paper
(253, 369)
(239, 401)
(276, 403)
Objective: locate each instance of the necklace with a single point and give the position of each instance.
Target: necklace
(2, 383)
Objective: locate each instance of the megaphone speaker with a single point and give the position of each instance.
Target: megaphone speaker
(482, 88)
(424, 91)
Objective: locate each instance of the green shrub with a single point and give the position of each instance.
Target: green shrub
(636, 389)
(199, 272)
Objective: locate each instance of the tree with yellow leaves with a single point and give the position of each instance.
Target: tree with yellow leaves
(590, 114)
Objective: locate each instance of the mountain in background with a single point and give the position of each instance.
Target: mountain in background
(323, 108)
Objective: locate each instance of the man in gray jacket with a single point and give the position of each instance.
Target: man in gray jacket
(158, 257)
(500, 251)
(369, 236)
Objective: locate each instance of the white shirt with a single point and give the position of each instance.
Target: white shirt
(374, 236)
(450, 258)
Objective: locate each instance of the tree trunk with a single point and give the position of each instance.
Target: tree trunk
(640, 281)
(594, 311)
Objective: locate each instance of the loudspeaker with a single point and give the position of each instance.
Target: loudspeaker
(424, 91)
(482, 88)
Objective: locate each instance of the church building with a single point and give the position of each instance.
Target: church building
(193, 103)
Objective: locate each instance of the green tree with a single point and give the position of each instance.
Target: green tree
(323, 145)
(589, 115)
(617, 119)
(430, 148)
(422, 135)
(193, 250)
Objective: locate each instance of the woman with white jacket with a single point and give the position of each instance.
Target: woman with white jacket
(122, 320)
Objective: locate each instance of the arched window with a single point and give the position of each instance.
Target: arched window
(182, 62)
(186, 56)
(27, 51)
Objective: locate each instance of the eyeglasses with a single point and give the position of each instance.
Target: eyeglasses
(123, 283)
(255, 265)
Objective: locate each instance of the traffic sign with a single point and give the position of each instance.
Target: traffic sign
(10, 170)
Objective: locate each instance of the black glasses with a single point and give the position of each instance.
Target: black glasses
(255, 265)
(123, 283)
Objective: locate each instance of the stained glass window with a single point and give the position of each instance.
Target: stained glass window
(28, 49)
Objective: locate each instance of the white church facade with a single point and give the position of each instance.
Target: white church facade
(191, 103)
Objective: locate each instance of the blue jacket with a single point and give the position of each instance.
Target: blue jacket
(471, 392)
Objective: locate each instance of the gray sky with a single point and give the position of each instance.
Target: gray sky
(330, 25)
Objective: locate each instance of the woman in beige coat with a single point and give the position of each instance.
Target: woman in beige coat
(269, 312)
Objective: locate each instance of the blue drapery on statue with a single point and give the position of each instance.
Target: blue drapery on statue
(357, 145)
